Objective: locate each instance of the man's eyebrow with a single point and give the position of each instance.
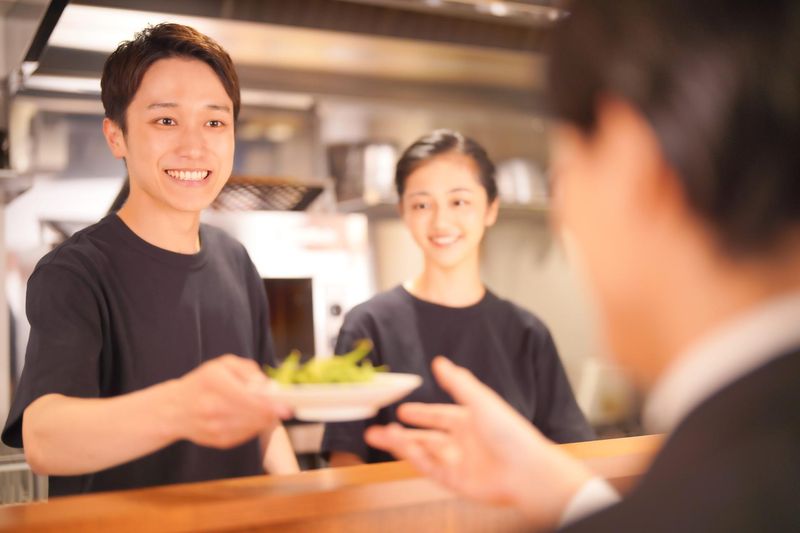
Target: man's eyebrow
(159, 105)
(172, 105)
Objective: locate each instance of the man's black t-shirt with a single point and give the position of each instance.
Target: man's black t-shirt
(111, 314)
(505, 346)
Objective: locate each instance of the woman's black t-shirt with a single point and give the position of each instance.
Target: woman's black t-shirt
(111, 314)
(505, 346)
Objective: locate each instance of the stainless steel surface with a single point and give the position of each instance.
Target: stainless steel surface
(248, 193)
(12, 184)
(330, 250)
(320, 47)
(17, 483)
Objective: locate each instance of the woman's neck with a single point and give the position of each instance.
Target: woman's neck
(460, 287)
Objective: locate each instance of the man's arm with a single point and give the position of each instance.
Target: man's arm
(219, 404)
(279, 457)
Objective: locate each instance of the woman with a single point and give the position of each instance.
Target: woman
(448, 197)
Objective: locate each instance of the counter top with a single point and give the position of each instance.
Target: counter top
(382, 497)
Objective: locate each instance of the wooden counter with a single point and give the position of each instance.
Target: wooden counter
(384, 497)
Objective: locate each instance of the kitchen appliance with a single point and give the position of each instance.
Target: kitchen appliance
(315, 267)
(363, 172)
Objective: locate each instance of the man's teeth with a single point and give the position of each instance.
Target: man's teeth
(188, 175)
(444, 241)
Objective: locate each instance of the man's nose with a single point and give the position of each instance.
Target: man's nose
(192, 142)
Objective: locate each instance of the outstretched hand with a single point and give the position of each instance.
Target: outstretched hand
(483, 449)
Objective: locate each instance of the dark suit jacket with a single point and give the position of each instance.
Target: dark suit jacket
(732, 465)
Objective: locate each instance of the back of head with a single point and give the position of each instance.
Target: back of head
(718, 81)
(127, 65)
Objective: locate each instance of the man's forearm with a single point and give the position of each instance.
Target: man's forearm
(72, 436)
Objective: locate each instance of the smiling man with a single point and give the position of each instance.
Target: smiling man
(148, 329)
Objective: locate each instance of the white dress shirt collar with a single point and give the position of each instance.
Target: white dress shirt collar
(727, 354)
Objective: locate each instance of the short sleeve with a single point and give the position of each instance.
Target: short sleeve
(557, 413)
(63, 353)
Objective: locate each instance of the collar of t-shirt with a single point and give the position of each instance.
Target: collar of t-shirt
(732, 351)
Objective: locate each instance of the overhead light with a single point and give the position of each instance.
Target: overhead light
(498, 9)
(63, 84)
(282, 100)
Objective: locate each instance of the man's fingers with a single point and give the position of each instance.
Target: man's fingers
(461, 384)
(405, 444)
(245, 370)
(445, 417)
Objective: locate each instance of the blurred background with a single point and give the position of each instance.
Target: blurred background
(332, 91)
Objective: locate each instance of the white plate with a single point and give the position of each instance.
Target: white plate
(337, 402)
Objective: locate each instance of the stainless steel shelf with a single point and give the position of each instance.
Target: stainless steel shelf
(12, 184)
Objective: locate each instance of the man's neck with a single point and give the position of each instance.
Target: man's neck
(175, 231)
(718, 293)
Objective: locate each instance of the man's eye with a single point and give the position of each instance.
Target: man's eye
(419, 206)
(459, 203)
(166, 122)
(215, 123)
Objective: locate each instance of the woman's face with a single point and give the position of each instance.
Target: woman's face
(447, 210)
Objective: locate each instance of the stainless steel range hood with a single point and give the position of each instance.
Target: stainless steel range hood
(323, 47)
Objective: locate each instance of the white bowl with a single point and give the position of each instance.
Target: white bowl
(337, 402)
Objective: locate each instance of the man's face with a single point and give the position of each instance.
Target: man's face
(609, 206)
(180, 139)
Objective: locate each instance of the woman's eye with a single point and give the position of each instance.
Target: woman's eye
(460, 202)
(215, 123)
(165, 122)
(419, 206)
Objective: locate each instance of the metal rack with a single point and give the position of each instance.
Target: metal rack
(246, 193)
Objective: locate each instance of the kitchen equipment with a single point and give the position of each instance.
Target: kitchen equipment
(363, 172)
(242, 193)
(315, 267)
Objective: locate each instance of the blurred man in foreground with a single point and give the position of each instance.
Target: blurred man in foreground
(677, 178)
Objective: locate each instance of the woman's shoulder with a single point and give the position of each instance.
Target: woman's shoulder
(382, 305)
(512, 313)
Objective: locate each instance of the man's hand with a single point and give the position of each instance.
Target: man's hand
(483, 449)
(222, 403)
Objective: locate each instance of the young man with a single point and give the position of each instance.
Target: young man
(123, 384)
(677, 176)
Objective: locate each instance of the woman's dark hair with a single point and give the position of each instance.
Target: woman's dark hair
(441, 142)
(127, 65)
(718, 81)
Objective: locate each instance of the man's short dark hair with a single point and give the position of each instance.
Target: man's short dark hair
(126, 66)
(718, 81)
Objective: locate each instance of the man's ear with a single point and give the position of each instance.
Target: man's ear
(115, 138)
